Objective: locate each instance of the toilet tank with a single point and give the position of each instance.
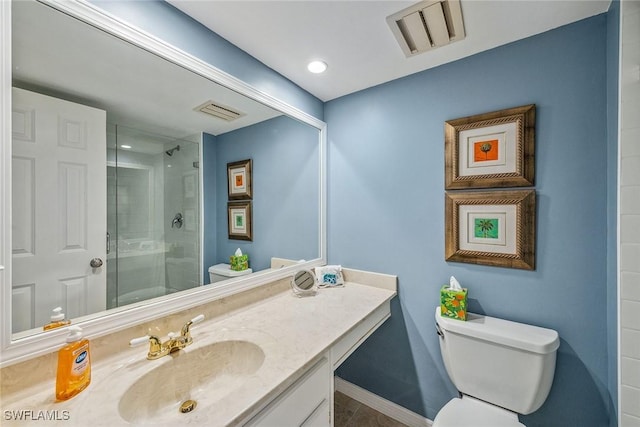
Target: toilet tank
(221, 272)
(505, 363)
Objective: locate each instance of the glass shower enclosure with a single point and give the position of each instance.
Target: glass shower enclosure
(153, 215)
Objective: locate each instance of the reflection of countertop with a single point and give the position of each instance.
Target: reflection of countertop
(293, 333)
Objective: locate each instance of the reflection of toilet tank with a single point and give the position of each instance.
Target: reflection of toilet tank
(220, 272)
(505, 363)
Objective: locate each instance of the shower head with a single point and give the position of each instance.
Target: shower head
(170, 152)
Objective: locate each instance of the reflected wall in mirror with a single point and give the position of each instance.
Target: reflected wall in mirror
(285, 205)
(131, 171)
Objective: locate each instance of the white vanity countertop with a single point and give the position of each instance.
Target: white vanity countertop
(292, 332)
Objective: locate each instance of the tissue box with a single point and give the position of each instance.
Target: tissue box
(453, 303)
(239, 263)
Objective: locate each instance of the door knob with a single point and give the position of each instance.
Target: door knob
(177, 220)
(95, 263)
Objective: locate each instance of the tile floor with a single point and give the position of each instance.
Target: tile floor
(351, 413)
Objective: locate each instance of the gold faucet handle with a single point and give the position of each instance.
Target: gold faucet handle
(140, 340)
(155, 345)
(186, 329)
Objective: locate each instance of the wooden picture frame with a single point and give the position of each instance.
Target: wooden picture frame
(495, 228)
(239, 180)
(239, 220)
(491, 150)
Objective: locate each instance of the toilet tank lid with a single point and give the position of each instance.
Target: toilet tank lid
(512, 334)
(225, 270)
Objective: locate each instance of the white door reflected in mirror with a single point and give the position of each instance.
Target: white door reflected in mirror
(59, 208)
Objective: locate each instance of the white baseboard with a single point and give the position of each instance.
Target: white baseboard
(381, 404)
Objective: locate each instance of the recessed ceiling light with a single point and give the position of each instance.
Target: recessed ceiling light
(317, 67)
(125, 146)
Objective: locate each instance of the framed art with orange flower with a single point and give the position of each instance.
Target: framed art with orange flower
(239, 180)
(495, 228)
(491, 150)
(239, 220)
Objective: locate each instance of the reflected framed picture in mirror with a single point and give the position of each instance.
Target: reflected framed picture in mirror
(239, 179)
(239, 216)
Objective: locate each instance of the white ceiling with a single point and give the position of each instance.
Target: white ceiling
(353, 37)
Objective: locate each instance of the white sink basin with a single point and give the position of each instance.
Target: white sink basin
(204, 375)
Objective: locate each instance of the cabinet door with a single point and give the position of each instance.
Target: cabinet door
(306, 402)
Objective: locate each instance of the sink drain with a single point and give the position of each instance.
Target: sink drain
(188, 406)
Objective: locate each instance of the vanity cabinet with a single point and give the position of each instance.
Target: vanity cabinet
(307, 402)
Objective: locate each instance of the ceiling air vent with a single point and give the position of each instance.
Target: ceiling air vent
(427, 25)
(220, 111)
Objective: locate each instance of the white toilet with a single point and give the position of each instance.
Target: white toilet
(501, 369)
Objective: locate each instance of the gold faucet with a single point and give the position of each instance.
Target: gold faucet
(157, 348)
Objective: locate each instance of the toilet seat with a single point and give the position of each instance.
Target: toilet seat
(471, 412)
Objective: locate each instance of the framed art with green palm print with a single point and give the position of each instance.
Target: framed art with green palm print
(494, 228)
(491, 150)
(239, 220)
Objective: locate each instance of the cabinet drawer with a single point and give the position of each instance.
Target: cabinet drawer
(301, 402)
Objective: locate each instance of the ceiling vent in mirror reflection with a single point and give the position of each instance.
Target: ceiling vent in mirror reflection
(220, 111)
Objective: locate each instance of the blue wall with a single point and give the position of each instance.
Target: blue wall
(285, 155)
(387, 143)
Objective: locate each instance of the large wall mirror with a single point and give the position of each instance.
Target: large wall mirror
(119, 200)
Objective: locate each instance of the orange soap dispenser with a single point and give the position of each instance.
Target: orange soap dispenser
(57, 320)
(74, 365)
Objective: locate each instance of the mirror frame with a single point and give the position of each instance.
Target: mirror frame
(17, 350)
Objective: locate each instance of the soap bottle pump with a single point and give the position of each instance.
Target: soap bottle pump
(74, 365)
(57, 320)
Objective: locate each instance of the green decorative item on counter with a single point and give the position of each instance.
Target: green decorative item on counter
(453, 302)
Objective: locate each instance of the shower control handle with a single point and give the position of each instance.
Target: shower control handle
(177, 221)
